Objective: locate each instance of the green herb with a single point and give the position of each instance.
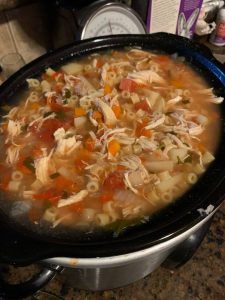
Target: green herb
(60, 115)
(186, 101)
(169, 73)
(188, 159)
(47, 114)
(29, 164)
(54, 175)
(24, 127)
(64, 195)
(179, 161)
(118, 227)
(161, 146)
(65, 101)
(172, 132)
(69, 135)
(168, 113)
(67, 93)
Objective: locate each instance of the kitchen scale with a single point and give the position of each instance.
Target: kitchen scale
(95, 18)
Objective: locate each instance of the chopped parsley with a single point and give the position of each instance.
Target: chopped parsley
(64, 195)
(47, 114)
(69, 135)
(179, 161)
(60, 115)
(161, 146)
(188, 159)
(67, 93)
(29, 164)
(65, 101)
(186, 101)
(24, 127)
(54, 175)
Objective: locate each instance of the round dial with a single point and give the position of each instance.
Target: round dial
(112, 18)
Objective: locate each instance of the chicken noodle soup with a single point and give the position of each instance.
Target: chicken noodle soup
(112, 136)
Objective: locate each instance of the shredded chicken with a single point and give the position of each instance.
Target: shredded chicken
(109, 116)
(14, 128)
(158, 119)
(12, 154)
(146, 76)
(65, 145)
(73, 199)
(44, 166)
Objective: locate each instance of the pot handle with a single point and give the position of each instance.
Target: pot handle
(184, 251)
(28, 288)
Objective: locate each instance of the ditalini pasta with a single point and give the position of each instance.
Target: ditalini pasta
(111, 136)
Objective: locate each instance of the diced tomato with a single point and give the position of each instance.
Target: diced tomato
(58, 108)
(80, 164)
(127, 84)
(45, 133)
(140, 129)
(143, 105)
(90, 144)
(52, 195)
(68, 122)
(63, 183)
(37, 152)
(114, 180)
(5, 179)
(58, 87)
(99, 62)
(106, 196)
(56, 74)
(76, 207)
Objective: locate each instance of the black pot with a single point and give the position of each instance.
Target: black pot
(22, 246)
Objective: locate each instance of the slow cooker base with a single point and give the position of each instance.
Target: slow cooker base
(99, 279)
(105, 278)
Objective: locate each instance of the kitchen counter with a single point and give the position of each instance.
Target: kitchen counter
(203, 277)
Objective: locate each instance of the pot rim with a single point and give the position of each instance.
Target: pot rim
(205, 193)
(118, 260)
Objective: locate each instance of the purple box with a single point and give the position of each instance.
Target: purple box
(173, 16)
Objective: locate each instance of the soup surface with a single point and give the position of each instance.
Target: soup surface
(112, 136)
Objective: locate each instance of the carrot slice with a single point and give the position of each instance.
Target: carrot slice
(117, 110)
(127, 84)
(97, 116)
(34, 106)
(113, 147)
(79, 112)
(107, 89)
(62, 183)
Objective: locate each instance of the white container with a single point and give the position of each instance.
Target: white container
(218, 36)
